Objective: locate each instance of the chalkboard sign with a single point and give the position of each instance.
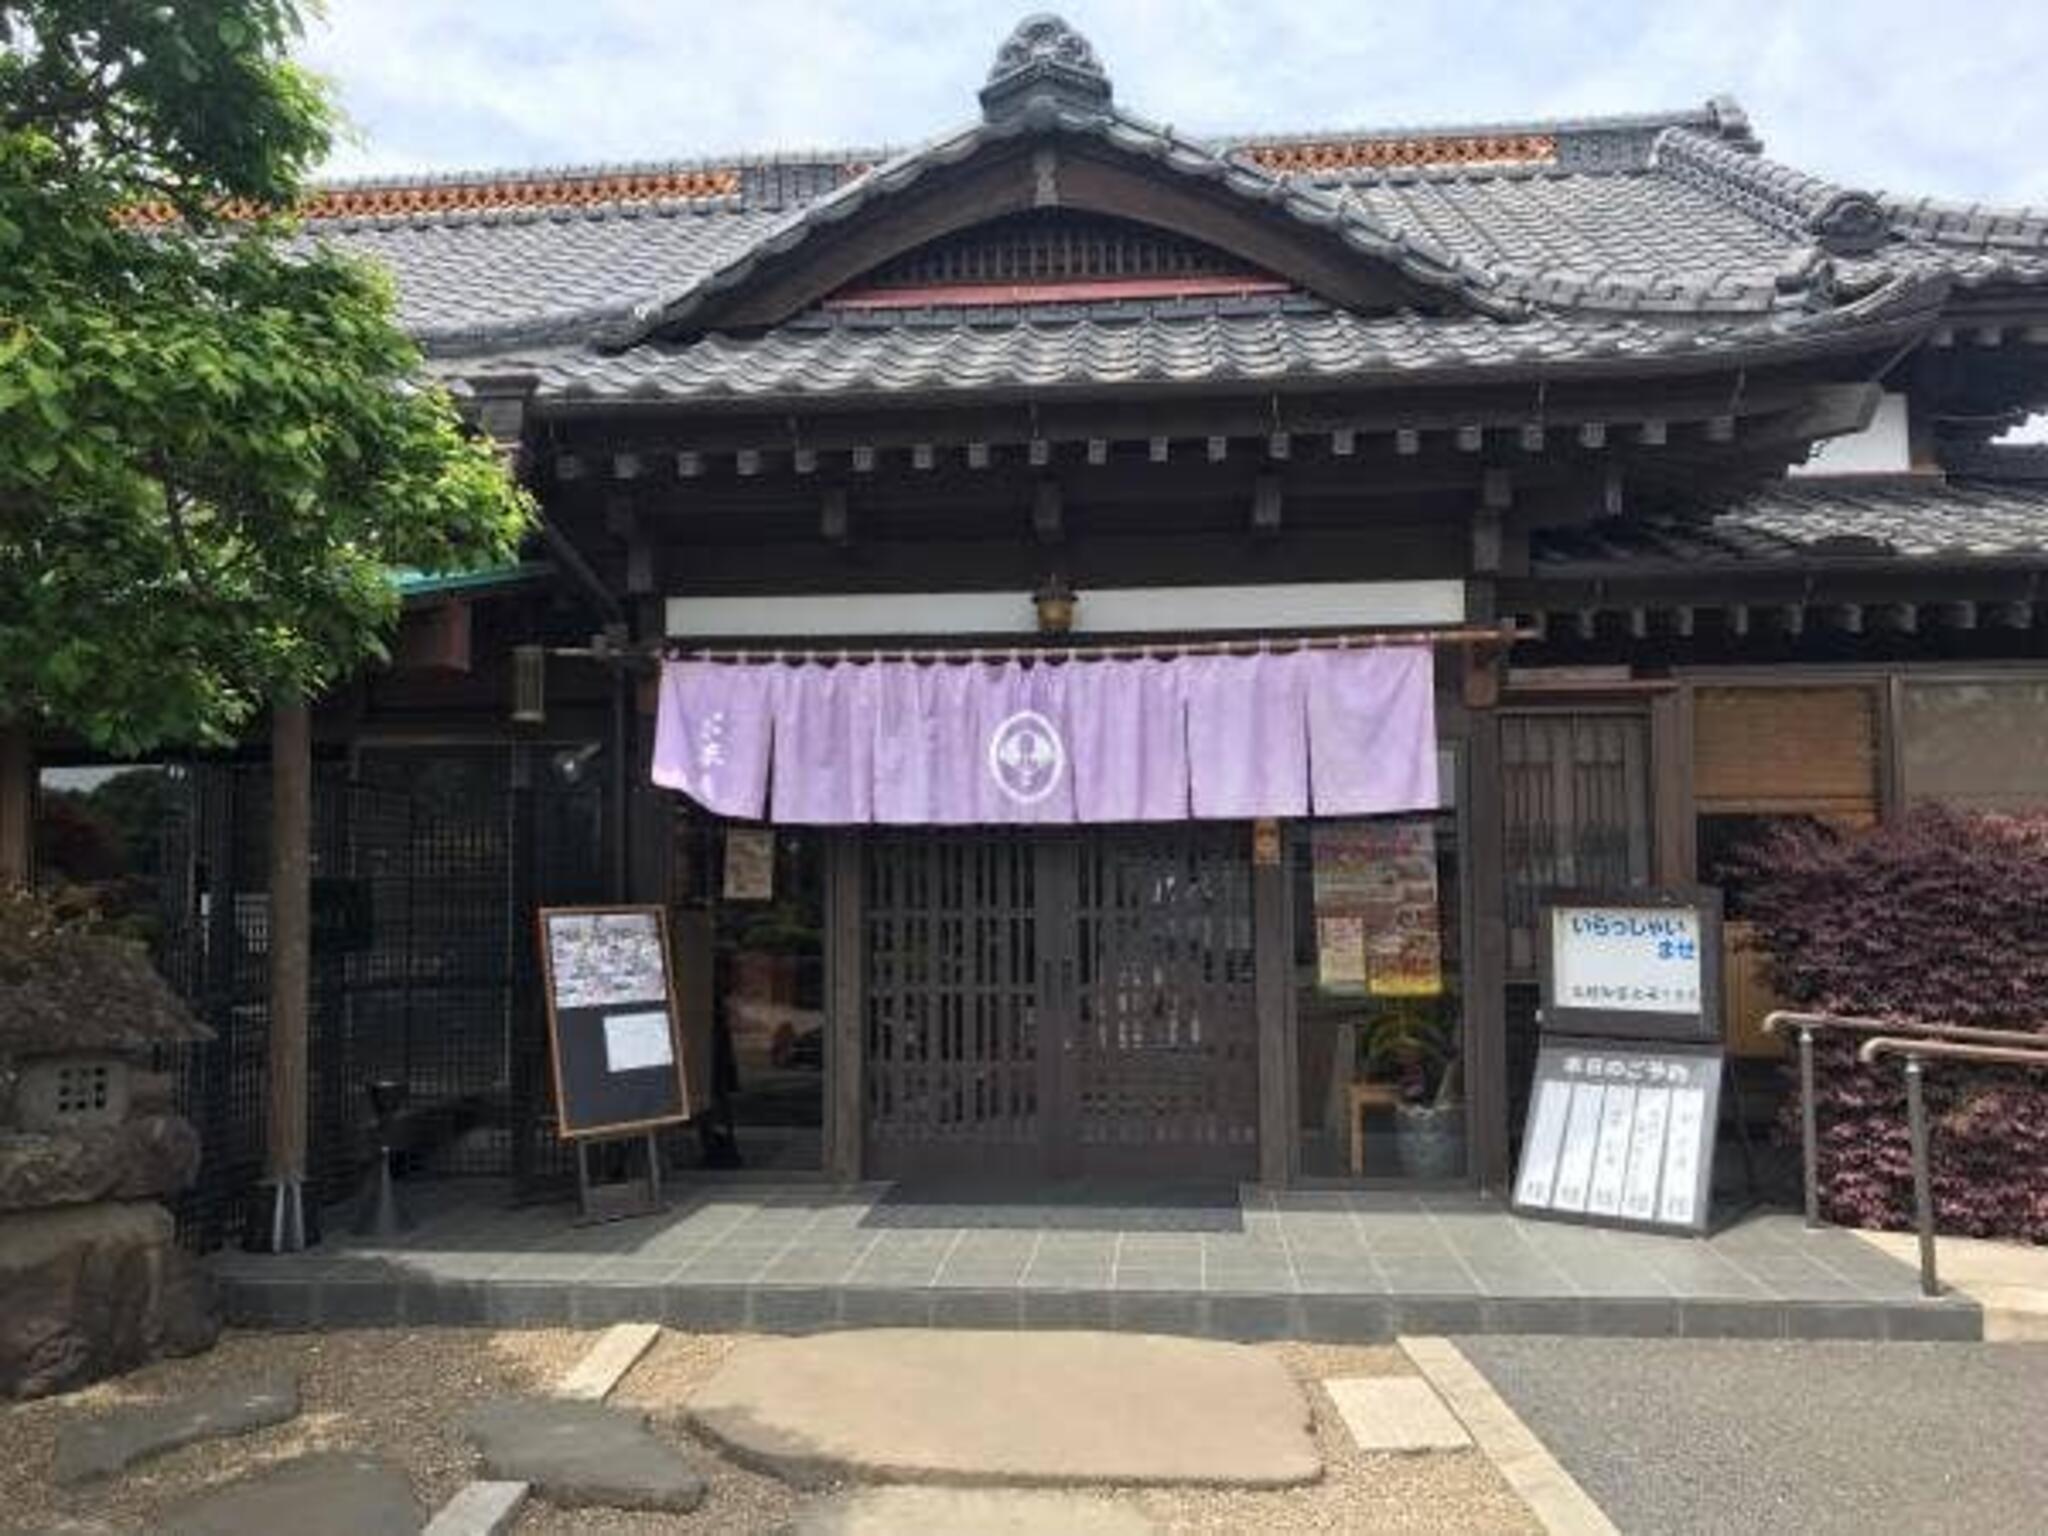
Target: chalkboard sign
(1633, 965)
(613, 1032)
(1621, 1134)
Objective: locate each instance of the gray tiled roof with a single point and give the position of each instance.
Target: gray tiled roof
(1098, 345)
(1660, 233)
(1804, 520)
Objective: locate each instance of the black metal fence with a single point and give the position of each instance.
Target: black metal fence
(426, 868)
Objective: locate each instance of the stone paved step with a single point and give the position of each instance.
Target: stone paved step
(990, 1409)
(330, 1493)
(579, 1454)
(101, 1447)
(969, 1512)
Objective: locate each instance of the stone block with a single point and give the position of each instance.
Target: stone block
(136, 1160)
(91, 1290)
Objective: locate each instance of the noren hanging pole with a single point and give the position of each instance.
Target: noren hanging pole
(1467, 636)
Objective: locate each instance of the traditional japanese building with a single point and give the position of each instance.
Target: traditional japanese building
(1667, 469)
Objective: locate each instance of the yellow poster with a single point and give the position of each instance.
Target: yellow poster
(1377, 879)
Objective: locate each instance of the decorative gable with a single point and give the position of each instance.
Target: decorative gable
(1051, 139)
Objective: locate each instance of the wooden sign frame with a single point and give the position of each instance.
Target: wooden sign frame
(1694, 1026)
(565, 1128)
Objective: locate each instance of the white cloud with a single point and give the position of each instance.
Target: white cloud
(1884, 100)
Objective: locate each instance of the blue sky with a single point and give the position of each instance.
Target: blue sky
(1898, 95)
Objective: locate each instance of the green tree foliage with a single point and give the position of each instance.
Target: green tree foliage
(215, 442)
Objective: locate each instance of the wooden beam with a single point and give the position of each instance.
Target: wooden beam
(17, 805)
(1048, 512)
(835, 525)
(1266, 504)
(289, 952)
(1486, 541)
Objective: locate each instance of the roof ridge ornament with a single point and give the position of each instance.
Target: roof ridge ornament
(1044, 58)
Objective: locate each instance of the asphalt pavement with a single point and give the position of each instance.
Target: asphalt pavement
(1725, 1436)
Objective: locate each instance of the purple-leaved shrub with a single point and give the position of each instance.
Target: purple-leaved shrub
(1941, 916)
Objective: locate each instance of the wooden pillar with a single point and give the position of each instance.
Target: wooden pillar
(290, 951)
(1486, 1042)
(1273, 1002)
(17, 805)
(845, 1060)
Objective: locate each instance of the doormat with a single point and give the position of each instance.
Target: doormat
(1065, 1206)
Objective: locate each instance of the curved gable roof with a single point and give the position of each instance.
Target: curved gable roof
(1329, 243)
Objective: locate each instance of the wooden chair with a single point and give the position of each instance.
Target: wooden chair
(1365, 1096)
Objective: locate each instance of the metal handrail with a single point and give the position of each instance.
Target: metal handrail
(1918, 1049)
(1779, 1019)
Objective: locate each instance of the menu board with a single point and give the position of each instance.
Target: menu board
(1378, 925)
(612, 1020)
(1621, 1133)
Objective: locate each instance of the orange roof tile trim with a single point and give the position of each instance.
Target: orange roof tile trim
(427, 197)
(1376, 154)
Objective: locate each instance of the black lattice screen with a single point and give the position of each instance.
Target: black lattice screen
(426, 869)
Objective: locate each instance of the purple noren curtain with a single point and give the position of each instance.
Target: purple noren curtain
(1293, 733)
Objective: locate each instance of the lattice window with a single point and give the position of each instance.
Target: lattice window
(1051, 247)
(1576, 809)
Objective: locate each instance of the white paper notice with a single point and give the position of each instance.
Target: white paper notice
(1581, 1137)
(1631, 959)
(1546, 1135)
(634, 1042)
(1682, 1157)
(1610, 1160)
(1646, 1154)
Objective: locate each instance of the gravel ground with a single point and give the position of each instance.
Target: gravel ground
(396, 1391)
(1455, 1492)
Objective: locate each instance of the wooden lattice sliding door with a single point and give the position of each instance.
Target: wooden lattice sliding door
(1160, 1070)
(953, 1078)
(1060, 1003)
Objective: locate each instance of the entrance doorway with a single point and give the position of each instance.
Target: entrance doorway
(1077, 1003)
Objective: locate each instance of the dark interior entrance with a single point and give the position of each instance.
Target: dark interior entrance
(1057, 1004)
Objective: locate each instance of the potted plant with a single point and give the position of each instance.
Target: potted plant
(1411, 1044)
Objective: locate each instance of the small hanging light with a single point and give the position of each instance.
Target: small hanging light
(1055, 601)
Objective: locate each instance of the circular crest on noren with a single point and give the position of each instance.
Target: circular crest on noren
(1026, 757)
(1044, 56)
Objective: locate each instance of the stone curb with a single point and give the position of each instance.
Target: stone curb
(617, 1350)
(478, 1509)
(1552, 1494)
(332, 1300)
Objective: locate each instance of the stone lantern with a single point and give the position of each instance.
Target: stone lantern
(92, 1280)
